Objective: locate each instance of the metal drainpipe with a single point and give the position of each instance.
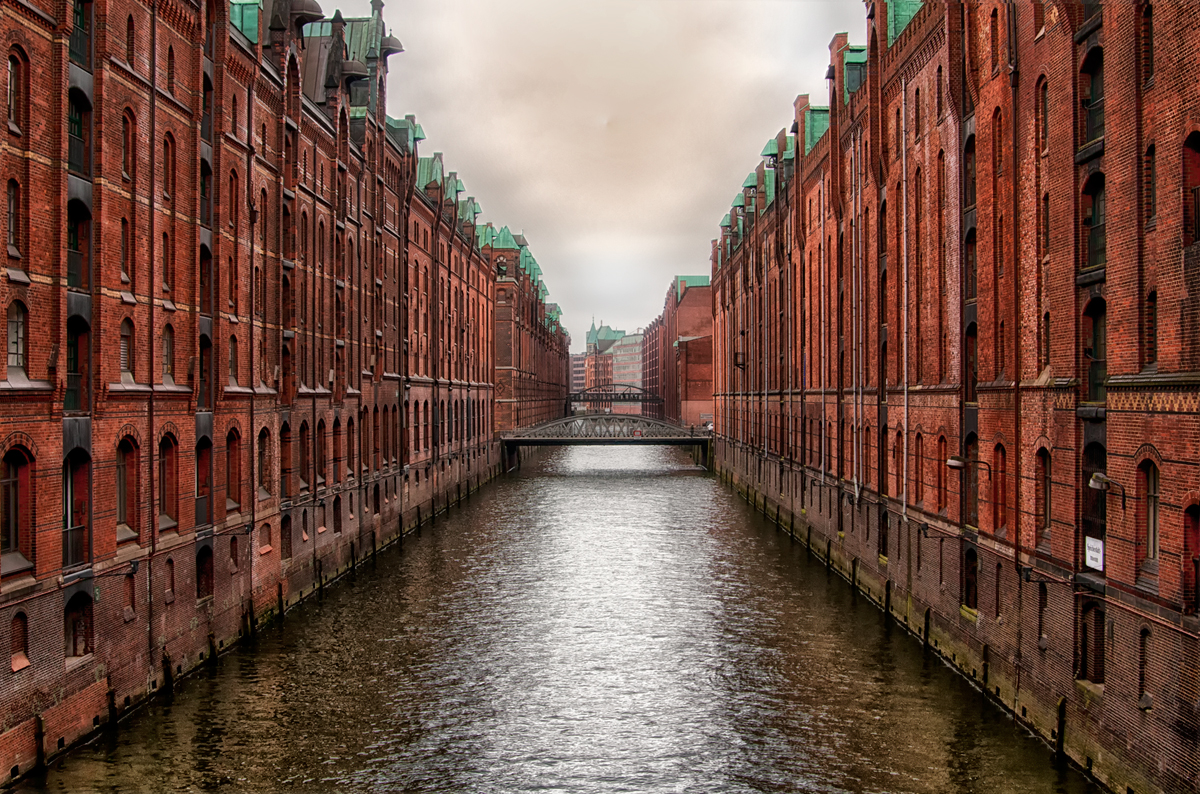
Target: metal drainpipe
(766, 421)
(904, 244)
(860, 328)
(824, 249)
(855, 306)
(152, 515)
(1014, 84)
(254, 369)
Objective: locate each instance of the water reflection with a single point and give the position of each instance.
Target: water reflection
(610, 620)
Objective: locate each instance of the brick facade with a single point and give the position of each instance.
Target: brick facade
(921, 271)
(230, 283)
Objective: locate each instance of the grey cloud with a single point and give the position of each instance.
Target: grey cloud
(614, 133)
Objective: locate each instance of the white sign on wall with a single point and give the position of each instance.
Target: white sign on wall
(1094, 553)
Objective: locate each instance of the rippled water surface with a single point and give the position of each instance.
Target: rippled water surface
(610, 619)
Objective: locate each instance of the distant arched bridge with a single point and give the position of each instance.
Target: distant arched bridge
(608, 429)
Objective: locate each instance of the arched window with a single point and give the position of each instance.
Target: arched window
(1043, 113)
(1095, 504)
(169, 167)
(969, 173)
(77, 629)
(16, 514)
(76, 491)
(994, 36)
(971, 267)
(1148, 43)
(126, 348)
(1191, 558)
(285, 461)
(203, 457)
(128, 469)
(79, 133)
(999, 489)
(971, 482)
(233, 361)
(285, 538)
(337, 450)
(1091, 90)
(167, 483)
(204, 573)
(1150, 174)
(19, 637)
(940, 466)
(171, 70)
(1043, 493)
(16, 94)
(919, 468)
(130, 40)
(305, 458)
(14, 218)
(322, 462)
(1149, 541)
(233, 472)
(16, 339)
(265, 539)
(1093, 222)
(1150, 341)
(351, 460)
(970, 589)
(170, 580)
(1092, 626)
(1095, 349)
(168, 355)
(264, 464)
(1191, 188)
(337, 515)
(971, 363)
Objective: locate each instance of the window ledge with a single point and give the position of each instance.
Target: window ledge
(19, 662)
(13, 252)
(18, 382)
(1090, 151)
(125, 534)
(78, 661)
(129, 387)
(166, 523)
(129, 614)
(17, 276)
(13, 563)
(263, 494)
(968, 613)
(264, 550)
(169, 597)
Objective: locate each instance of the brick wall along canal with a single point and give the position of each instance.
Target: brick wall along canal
(609, 619)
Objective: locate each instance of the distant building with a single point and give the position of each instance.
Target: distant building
(677, 353)
(627, 368)
(578, 372)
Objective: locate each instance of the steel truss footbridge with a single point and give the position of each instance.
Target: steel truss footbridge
(606, 429)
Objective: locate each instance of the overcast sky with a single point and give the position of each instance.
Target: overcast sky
(613, 133)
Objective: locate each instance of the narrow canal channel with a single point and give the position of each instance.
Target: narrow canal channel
(609, 619)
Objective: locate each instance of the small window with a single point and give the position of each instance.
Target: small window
(970, 594)
(130, 40)
(168, 354)
(204, 573)
(78, 626)
(1150, 537)
(1148, 43)
(171, 69)
(14, 218)
(19, 634)
(126, 347)
(16, 336)
(233, 361)
(1151, 174)
(1151, 335)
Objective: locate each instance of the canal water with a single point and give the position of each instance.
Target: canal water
(607, 620)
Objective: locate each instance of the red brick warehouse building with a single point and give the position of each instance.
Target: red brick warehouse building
(677, 354)
(228, 273)
(983, 250)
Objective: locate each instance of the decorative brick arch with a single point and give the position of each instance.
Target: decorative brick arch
(1147, 452)
(1041, 443)
(129, 431)
(168, 429)
(19, 439)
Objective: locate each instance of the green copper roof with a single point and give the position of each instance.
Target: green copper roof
(790, 154)
(900, 13)
(770, 185)
(854, 70)
(816, 122)
(683, 282)
(751, 180)
(244, 17)
(726, 222)
(504, 239)
(771, 149)
(429, 170)
(739, 200)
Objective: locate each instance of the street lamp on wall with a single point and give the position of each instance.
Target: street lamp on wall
(959, 463)
(1101, 482)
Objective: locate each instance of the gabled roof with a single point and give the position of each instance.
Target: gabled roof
(751, 180)
(504, 239)
(429, 171)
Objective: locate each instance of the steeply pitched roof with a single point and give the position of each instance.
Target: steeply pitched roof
(504, 239)
(900, 13)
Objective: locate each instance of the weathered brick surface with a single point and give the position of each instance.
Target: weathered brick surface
(340, 297)
(857, 386)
